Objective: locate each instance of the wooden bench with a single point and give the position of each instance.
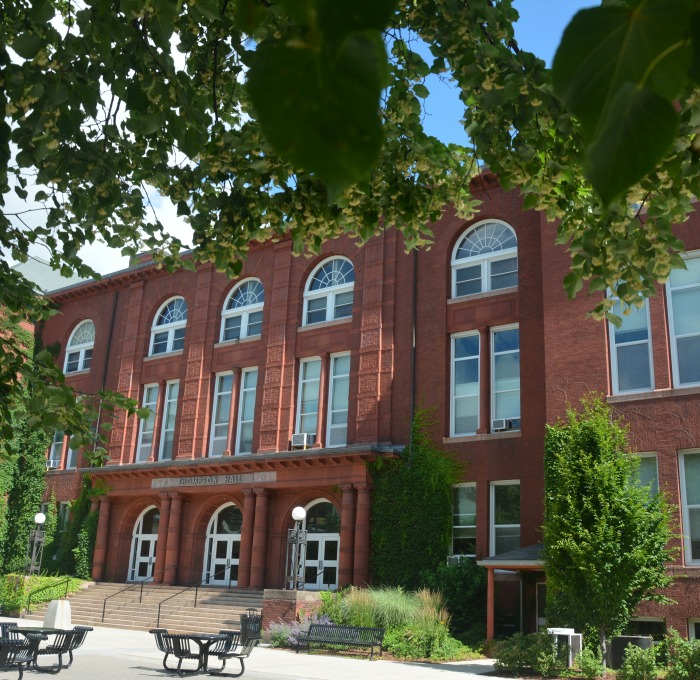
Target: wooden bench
(347, 636)
(19, 654)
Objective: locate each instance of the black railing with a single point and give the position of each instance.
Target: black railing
(123, 590)
(65, 583)
(196, 587)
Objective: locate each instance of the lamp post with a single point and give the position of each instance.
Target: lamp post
(296, 540)
(36, 545)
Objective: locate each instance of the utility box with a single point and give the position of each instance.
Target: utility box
(569, 640)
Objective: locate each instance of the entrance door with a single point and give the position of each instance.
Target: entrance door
(322, 546)
(143, 546)
(223, 547)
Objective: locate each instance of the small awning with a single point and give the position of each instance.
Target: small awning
(516, 560)
(522, 559)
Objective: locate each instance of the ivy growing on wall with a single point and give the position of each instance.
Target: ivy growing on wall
(412, 510)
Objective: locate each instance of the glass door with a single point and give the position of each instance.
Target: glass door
(321, 567)
(223, 547)
(143, 546)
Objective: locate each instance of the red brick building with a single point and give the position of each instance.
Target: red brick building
(275, 389)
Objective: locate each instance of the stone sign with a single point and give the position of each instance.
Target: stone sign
(214, 480)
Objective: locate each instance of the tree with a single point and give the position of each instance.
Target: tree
(605, 536)
(260, 119)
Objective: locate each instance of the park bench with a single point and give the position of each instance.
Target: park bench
(64, 642)
(230, 651)
(335, 635)
(19, 654)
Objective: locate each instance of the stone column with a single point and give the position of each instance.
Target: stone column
(257, 560)
(247, 533)
(172, 550)
(361, 565)
(347, 536)
(100, 554)
(159, 567)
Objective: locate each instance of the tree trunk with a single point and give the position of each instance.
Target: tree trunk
(603, 655)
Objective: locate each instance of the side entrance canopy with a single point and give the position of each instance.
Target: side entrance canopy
(522, 559)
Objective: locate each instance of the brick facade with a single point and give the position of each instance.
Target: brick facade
(563, 354)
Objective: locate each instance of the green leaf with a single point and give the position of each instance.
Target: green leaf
(27, 45)
(605, 47)
(208, 9)
(694, 71)
(421, 90)
(250, 13)
(42, 11)
(339, 18)
(639, 130)
(322, 115)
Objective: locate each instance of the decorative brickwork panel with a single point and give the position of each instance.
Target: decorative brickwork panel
(370, 340)
(368, 384)
(184, 447)
(371, 318)
(196, 352)
(189, 409)
(269, 420)
(369, 362)
(275, 354)
(268, 440)
(273, 377)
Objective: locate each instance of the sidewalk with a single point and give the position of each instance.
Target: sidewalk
(115, 654)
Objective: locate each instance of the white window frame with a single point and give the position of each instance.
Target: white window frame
(483, 261)
(169, 328)
(168, 422)
(330, 293)
(83, 350)
(71, 458)
(62, 515)
(672, 326)
(149, 400)
(224, 418)
(685, 508)
(246, 393)
(464, 485)
(453, 396)
(303, 363)
(58, 443)
(243, 311)
(492, 513)
(614, 346)
(494, 414)
(333, 410)
(693, 625)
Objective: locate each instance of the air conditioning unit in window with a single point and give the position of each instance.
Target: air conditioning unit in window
(501, 425)
(456, 559)
(301, 440)
(52, 464)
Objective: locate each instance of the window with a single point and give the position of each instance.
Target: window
(243, 311)
(147, 429)
(465, 384)
(690, 497)
(338, 400)
(307, 407)
(329, 292)
(221, 413)
(79, 348)
(464, 519)
(167, 435)
(485, 259)
(63, 515)
(168, 332)
(466, 389)
(630, 351)
(684, 287)
(694, 629)
(505, 372)
(505, 517)
(71, 458)
(56, 450)
(647, 474)
(246, 410)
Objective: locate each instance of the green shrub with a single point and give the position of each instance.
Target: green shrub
(15, 590)
(638, 664)
(333, 606)
(589, 663)
(684, 658)
(522, 653)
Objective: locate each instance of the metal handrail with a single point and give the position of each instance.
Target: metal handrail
(196, 587)
(123, 590)
(41, 590)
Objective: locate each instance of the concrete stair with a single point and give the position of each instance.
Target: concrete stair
(130, 606)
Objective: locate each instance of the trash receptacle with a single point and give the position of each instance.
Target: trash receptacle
(618, 645)
(251, 624)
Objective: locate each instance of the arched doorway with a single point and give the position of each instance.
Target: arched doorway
(143, 545)
(223, 547)
(322, 524)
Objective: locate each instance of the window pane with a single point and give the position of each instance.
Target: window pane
(692, 478)
(694, 517)
(178, 338)
(633, 367)
(316, 310)
(312, 369)
(87, 359)
(464, 505)
(504, 273)
(343, 305)
(255, 323)
(250, 379)
(689, 359)
(646, 474)
(507, 503)
(634, 325)
(466, 346)
(466, 415)
(72, 362)
(245, 438)
(160, 343)
(686, 277)
(685, 311)
(508, 405)
(464, 541)
(232, 328)
(504, 341)
(468, 280)
(507, 539)
(307, 423)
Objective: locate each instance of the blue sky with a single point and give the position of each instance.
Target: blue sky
(538, 30)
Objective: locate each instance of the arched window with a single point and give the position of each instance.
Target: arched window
(329, 291)
(79, 348)
(485, 259)
(168, 332)
(242, 314)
